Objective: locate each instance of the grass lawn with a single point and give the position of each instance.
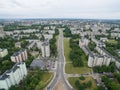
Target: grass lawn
(69, 69)
(45, 80)
(112, 41)
(73, 79)
(67, 49)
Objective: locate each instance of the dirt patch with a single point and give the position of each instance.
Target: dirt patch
(59, 86)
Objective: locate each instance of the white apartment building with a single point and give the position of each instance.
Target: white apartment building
(48, 36)
(51, 32)
(102, 51)
(83, 42)
(45, 48)
(19, 56)
(18, 45)
(13, 76)
(97, 60)
(3, 52)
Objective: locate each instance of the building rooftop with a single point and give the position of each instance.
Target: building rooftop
(88, 50)
(37, 63)
(4, 76)
(17, 53)
(2, 49)
(46, 42)
(14, 68)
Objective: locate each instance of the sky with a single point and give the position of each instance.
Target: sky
(87, 9)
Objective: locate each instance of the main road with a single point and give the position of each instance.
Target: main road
(59, 73)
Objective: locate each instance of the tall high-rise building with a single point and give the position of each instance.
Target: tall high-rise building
(45, 48)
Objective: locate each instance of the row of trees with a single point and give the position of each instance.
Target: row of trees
(86, 85)
(18, 27)
(92, 45)
(53, 46)
(117, 76)
(111, 84)
(5, 62)
(111, 47)
(67, 32)
(76, 55)
(104, 68)
(82, 86)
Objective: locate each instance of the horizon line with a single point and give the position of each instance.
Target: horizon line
(61, 18)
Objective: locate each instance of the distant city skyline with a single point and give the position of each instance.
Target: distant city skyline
(87, 9)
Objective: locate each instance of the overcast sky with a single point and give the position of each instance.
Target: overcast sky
(100, 9)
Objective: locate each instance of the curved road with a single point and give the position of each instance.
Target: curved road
(59, 74)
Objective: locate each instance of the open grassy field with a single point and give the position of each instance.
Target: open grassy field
(112, 41)
(67, 49)
(45, 80)
(73, 79)
(56, 40)
(70, 69)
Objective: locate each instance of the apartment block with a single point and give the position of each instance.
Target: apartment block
(13, 76)
(19, 56)
(45, 48)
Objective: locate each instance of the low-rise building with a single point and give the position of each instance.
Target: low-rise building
(18, 45)
(37, 63)
(13, 76)
(19, 56)
(3, 52)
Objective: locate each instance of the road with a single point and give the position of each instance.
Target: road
(59, 74)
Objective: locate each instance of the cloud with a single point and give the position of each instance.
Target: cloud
(60, 8)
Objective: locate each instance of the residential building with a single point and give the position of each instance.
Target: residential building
(19, 56)
(83, 42)
(98, 60)
(51, 32)
(13, 76)
(48, 36)
(18, 45)
(45, 48)
(3, 52)
(102, 51)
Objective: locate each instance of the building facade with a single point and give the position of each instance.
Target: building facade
(98, 60)
(13, 76)
(45, 48)
(19, 56)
